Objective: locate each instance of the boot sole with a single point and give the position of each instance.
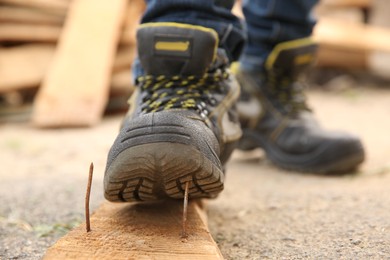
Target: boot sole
(342, 163)
(157, 171)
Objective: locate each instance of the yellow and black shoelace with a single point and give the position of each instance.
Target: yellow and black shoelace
(180, 92)
(288, 91)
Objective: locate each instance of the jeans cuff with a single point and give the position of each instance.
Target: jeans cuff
(252, 63)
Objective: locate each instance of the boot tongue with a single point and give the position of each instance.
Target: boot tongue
(172, 49)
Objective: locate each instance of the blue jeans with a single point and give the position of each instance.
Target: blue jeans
(268, 22)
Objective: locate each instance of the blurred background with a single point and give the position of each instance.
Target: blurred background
(64, 84)
(353, 36)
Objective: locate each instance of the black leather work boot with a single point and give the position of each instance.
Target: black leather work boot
(181, 126)
(275, 117)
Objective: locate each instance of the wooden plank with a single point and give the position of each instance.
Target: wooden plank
(348, 3)
(121, 81)
(139, 231)
(120, 91)
(24, 66)
(124, 58)
(328, 56)
(352, 36)
(353, 15)
(54, 6)
(16, 14)
(75, 90)
(379, 62)
(134, 13)
(29, 32)
(33, 60)
(49, 33)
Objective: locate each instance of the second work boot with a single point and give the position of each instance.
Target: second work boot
(275, 117)
(181, 126)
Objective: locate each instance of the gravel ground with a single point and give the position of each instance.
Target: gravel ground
(263, 213)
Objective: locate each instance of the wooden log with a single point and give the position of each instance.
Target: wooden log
(24, 66)
(16, 14)
(75, 90)
(15, 32)
(139, 231)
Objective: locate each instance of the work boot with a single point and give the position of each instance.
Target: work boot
(274, 116)
(181, 127)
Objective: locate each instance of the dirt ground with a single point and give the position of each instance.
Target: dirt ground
(263, 213)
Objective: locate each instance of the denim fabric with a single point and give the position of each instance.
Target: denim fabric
(208, 13)
(268, 22)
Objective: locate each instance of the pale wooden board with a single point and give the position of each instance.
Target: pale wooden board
(134, 13)
(379, 62)
(348, 3)
(352, 36)
(75, 90)
(24, 66)
(19, 14)
(124, 57)
(33, 60)
(29, 32)
(120, 91)
(121, 82)
(139, 231)
(336, 57)
(13, 30)
(54, 6)
(49, 33)
(354, 15)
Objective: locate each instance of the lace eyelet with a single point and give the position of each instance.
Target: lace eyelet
(212, 101)
(203, 115)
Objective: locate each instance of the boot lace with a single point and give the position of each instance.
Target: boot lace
(178, 92)
(288, 91)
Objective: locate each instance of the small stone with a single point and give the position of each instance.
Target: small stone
(291, 239)
(356, 242)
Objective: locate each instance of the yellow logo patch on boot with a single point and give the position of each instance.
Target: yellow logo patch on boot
(173, 46)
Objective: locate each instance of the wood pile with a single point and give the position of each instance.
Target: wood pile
(338, 33)
(70, 56)
(350, 32)
(349, 35)
(72, 52)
